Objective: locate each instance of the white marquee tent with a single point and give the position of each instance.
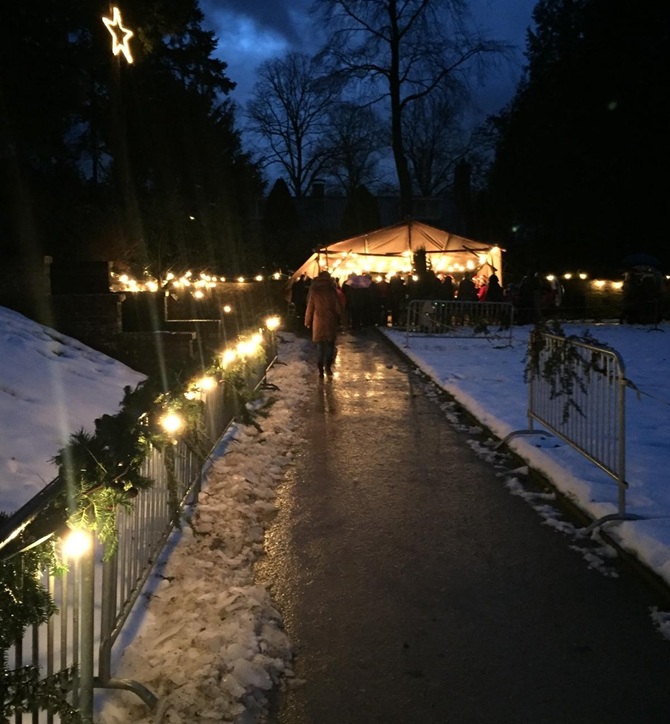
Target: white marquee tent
(391, 249)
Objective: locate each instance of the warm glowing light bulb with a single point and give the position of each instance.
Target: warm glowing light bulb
(171, 422)
(228, 357)
(76, 543)
(244, 348)
(206, 383)
(272, 323)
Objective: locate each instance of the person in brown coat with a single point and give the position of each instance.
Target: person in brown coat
(323, 317)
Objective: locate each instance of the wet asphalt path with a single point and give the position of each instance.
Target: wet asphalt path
(417, 590)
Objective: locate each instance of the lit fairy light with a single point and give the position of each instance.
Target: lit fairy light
(171, 422)
(206, 383)
(120, 36)
(228, 357)
(76, 543)
(245, 348)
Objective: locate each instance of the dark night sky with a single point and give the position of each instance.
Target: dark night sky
(251, 31)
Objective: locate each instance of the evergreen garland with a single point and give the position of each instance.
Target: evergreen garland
(23, 691)
(25, 602)
(100, 472)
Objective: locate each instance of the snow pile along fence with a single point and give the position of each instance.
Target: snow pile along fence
(95, 595)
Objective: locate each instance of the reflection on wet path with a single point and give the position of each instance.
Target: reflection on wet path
(417, 590)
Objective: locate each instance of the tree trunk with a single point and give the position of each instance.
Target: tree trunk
(404, 178)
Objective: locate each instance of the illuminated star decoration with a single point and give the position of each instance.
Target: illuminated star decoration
(119, 32)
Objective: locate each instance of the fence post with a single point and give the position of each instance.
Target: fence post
(622, 447)
(87, 586)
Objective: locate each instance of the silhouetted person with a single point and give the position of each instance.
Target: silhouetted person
(448, 289)
(467, 292)
(397, 297)
(323, 317)
(494, 292)
(299, 296)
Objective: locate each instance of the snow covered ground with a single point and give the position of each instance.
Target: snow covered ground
(206, 637)
(50, 386)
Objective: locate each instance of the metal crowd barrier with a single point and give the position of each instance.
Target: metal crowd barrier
(95, 596)
(451, 318)
(577, 392)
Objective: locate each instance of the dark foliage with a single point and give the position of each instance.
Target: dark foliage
(583, 144)
(361, 213)
(112, 161)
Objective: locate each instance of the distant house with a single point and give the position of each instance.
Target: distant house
(320, 213)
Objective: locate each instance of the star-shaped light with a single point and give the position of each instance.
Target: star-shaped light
(120, 35)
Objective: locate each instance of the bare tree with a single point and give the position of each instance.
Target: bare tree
(288, 111)
(355, 136)
(402, 51)
(435, 142)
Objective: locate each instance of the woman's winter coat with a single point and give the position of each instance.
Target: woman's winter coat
(323, 310)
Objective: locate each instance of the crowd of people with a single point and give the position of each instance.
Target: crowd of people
(326, 305)
(368, 300)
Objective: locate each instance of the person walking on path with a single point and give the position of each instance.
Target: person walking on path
(323, 317)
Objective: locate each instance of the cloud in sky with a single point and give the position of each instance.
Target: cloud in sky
(251, 31)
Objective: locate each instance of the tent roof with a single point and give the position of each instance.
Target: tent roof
(395, 240)
(406, 236)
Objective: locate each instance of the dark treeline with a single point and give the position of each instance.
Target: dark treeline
(583, 148)
(101, 159)
(145, 163)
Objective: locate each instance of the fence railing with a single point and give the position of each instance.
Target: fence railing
(451, 318)
(95, 596)
(576, 391)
